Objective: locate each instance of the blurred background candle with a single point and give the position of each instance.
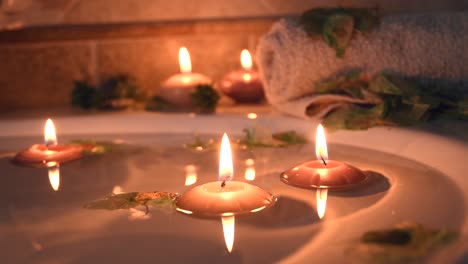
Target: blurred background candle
(244, 86)
(177, 89)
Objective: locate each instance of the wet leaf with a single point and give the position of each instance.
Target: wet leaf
(290, 137)
(406, 242)
(259, 136)
(91, 147)
(162, 200)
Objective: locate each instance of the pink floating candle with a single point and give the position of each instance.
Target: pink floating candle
(48, 154)
(243, 85)
(224, 198)
(323, 173)
(177, 88)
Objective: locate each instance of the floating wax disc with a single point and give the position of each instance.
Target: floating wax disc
(315, 174)
(42, 156)
(234, 198)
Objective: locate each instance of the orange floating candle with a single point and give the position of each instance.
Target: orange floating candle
(48, 154)
(224, 197)
(323, 173)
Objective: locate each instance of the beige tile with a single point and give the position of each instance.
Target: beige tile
(41, 75)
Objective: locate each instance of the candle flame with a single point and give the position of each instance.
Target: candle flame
(50, 137)
(226, 170)
(249, 170)
(190, 175)
(247, 77)
(322, 194)
(321, 144)
(54, 177)
(117, 189)
(228, 230)
(246, 60)
(252, 116)
(184, 60)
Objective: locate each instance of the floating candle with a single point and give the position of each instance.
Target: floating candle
(323, 173)
(243, 85)
(48, 154)
(224, 197)
(177, 88)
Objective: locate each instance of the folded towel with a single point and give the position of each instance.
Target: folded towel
(431, 47)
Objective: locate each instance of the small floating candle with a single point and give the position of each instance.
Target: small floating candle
(224, 197)
(178, 88)
(48, 154)
(323, 173)
(243, 85)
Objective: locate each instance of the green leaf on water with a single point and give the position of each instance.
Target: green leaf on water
(404, 243)
(92, 147)
(162, 200)
(262, 137)
(290, 137)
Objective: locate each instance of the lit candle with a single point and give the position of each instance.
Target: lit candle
(249, 173)
(224, 198)
(243, 85)
(323, 173)
(177, 88)
(50, 153)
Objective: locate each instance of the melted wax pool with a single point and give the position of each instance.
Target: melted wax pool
(40, 225)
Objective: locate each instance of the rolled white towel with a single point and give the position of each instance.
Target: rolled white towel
(431, 47)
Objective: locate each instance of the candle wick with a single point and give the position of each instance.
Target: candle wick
(323, 160)
(223, 183)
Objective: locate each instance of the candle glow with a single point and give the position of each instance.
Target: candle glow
(228, 230)
(322, 194)
(54, 177)
(226, 170)
(50, 137)
(184, 60)
(249, 170)
(246, 60)
(190, 175)
(321, 144)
